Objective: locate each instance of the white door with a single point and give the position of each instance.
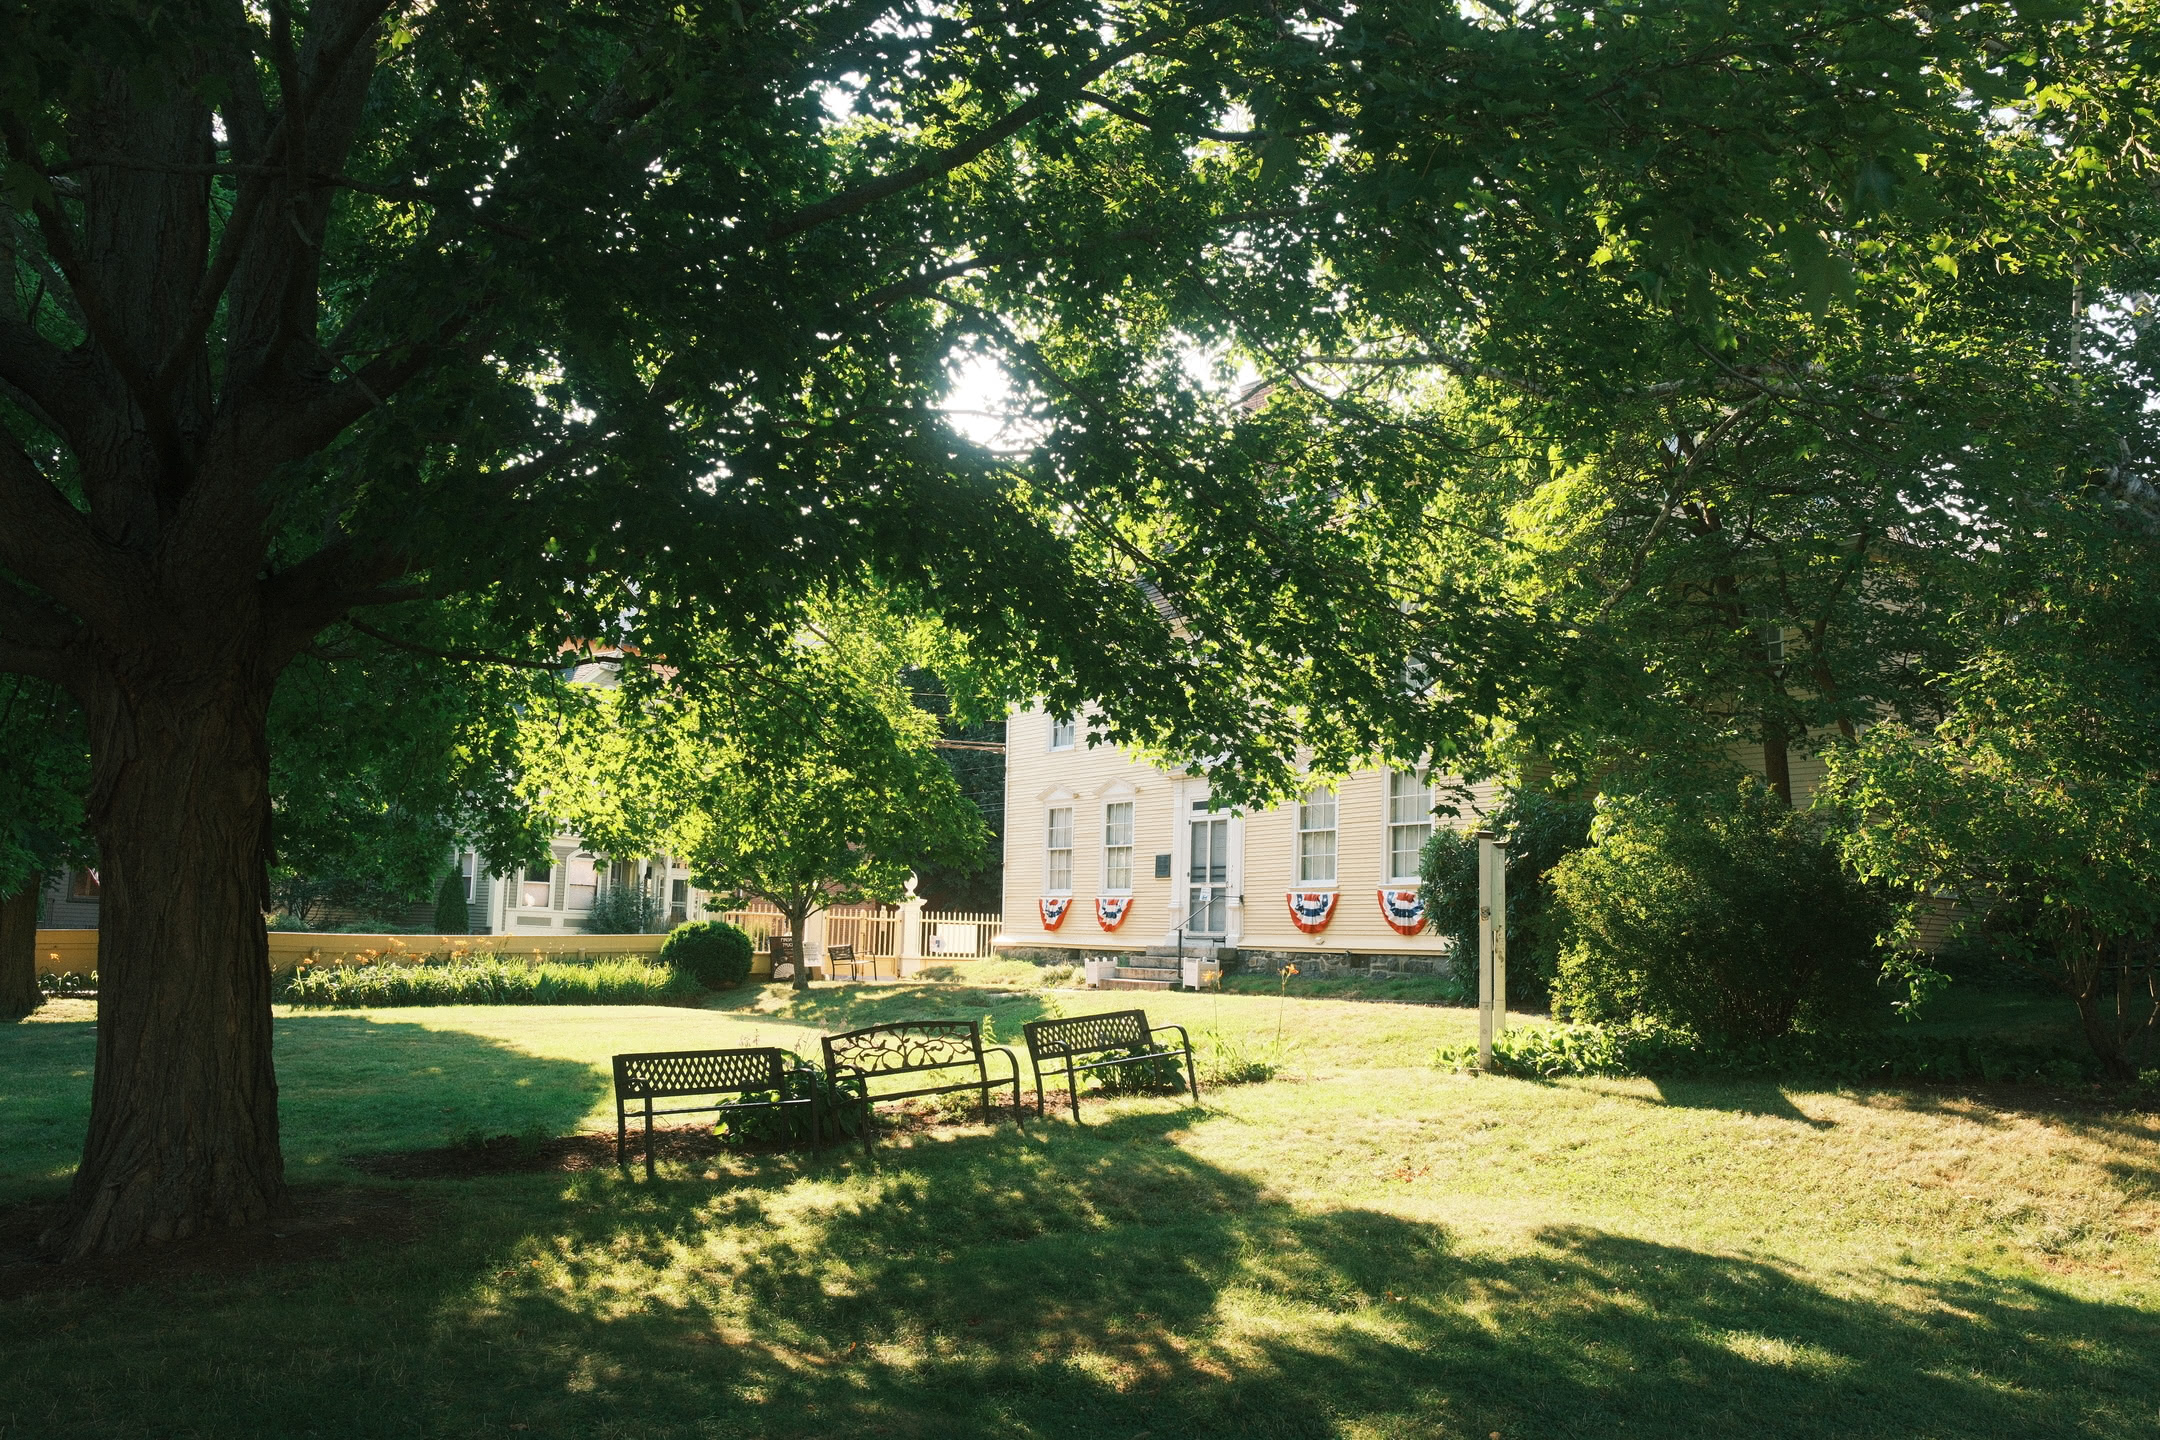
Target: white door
(1207, 907)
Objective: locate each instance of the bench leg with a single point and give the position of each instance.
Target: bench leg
(648, 1138)
(1191, 1079)
(1072, 1088)
(621, 1131)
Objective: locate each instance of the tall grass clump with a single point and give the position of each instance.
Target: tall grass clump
(490, 980)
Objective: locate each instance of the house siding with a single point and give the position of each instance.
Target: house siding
(1262, 854)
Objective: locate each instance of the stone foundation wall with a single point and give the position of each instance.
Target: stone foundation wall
(1308, 962)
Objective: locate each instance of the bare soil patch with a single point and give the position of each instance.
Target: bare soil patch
(326, 1223)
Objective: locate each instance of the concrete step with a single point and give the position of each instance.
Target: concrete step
(1124, 984)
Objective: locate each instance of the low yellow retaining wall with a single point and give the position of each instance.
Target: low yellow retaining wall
(76, 950)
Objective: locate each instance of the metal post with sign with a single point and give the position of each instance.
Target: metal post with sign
(1492, 943)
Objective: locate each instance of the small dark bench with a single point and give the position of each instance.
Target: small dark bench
(682, 1074)
(1097, 1042)
(839, 955)
(920, 1047)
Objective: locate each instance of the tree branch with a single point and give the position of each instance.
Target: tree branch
(456, 657)
(953, 157)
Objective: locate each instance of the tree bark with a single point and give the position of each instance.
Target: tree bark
(798, 921)
(18, 950)
(183, 1130)
(1777, 760)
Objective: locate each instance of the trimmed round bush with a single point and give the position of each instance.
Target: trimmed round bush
(1726, 914)
(711, 952)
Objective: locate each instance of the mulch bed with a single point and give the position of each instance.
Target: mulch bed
(518, 1155)
(325, 1224)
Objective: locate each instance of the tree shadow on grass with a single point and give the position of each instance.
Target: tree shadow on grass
(347, 1085)
(353, 1085)
(1108, 1282)
(833, 1008)
(1737, 1097)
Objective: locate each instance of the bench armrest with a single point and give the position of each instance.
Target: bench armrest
(1010, 1059)
(1183, 1038)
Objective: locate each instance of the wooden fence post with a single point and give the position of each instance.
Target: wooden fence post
(1492, 944)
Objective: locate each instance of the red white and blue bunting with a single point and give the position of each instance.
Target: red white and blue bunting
(1310, 910)
(1054, 910)
(1111, 910)
(1404, 910)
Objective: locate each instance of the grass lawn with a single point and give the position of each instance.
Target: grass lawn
(1362, 1248)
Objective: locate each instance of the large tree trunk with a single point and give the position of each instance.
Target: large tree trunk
(183, 1113)
(18, 950)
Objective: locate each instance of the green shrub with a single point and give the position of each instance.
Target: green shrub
(1724, 914)
(452, 917)
(1541, 831)
(488, 980)
(713, 952)
(60, 982)
(843, 1099)
(622, 910)
(1160, 1076)
(1848, 1057)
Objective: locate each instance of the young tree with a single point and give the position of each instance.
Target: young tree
(838, 812)
(809, 778)
(2035, 803)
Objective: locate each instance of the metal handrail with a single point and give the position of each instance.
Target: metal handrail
(1182, 921)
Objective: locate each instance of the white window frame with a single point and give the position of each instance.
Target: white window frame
(467, 867)
(1112, 849)
(1389, 825)
(546, 876)
(1299, 829)
(593, 863)
(1064, 734)
(1052, 850)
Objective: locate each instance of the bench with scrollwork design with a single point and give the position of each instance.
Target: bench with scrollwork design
(952, 1051)
(1097, 1042)
(785, 1077)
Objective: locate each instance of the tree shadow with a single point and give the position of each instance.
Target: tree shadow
(1737, 1097)
(353, 1085)
(347, 1085)
(1109, 1280)
(835, 1008)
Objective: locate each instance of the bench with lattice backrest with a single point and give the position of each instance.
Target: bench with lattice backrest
(1097, 1042)
(842, 957)
(780, 1079)
(951, 1051)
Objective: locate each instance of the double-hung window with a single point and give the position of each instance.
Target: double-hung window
(1057, 859)
(537, 890)
(1117, 847)
(1316, 836)
(582, 883)
(1064, 734)
(1409, 822)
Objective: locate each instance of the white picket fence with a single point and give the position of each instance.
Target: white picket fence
(879, 932)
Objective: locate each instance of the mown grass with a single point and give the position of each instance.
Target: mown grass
(1364, 1248)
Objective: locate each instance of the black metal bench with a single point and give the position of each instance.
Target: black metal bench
(1098, 1042)
(919, 1047)
(839, 955)
(680, 1074)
